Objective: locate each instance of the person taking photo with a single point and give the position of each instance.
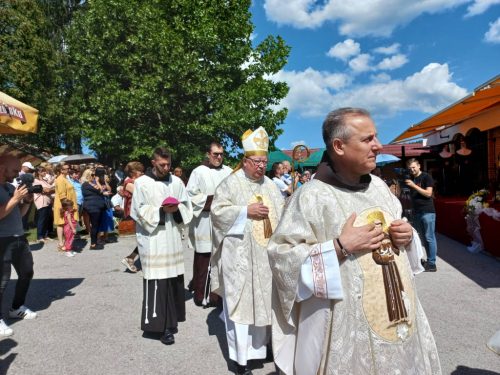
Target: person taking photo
(421, 187)
(14, 247)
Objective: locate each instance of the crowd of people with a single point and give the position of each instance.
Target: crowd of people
(282, 255)
(88, 187)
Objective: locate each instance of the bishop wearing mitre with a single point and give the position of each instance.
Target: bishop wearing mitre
(343, 263)
(245, 211)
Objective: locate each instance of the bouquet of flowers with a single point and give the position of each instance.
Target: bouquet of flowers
(476, 202)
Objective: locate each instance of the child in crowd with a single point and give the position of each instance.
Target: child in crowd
(67, 209)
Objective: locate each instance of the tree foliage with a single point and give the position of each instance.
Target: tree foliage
(35, 70)
(178, 73)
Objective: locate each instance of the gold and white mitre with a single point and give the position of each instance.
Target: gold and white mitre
(255, 143)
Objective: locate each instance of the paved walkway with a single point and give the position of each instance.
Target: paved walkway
(89, 311)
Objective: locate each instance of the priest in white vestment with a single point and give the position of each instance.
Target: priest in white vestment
(245, 211)
(159, 231)
(343, 262)
(201, 189)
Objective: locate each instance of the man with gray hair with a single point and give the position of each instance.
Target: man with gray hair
(334, 307)
(118, 202)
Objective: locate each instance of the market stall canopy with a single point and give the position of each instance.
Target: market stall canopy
(24, 152)
(383, 159)
(16, 117)
(484, 98)
(276, 156)
(80, 158)
(57, 159)
(314, 159)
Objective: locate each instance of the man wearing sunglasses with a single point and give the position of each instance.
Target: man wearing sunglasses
(245, 211)
(14, 248)
(201, 189)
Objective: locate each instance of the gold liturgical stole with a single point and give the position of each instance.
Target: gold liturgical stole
(263, 229)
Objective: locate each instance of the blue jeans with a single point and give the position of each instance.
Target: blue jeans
(425, 225)
(44, 221)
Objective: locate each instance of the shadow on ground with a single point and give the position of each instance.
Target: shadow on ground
(41, 294)
(36, 246)
(6, 345)
(464, 370)
(478, 267)
(217, 328)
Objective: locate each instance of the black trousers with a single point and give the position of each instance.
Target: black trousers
(200, 272)
(95, 218)
(15, 251)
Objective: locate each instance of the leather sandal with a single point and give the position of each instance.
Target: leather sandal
(129, 263)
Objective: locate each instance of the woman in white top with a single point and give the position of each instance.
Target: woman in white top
(43, 203)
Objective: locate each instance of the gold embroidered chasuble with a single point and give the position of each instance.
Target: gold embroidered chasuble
(352, 335)
(240, 263)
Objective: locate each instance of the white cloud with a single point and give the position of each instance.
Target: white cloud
(493, 34)
(361, 63)
(293, 144)
(390, 50)
(253, 36)
(429, 90)
(382, 77)
(344, 50)
(394, 62)
(355, 18)
(310, 90)
(479, 7)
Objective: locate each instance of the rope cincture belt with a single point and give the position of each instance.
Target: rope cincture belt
(146, 321)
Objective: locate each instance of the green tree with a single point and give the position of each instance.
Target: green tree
(178, 73)
(34, 68)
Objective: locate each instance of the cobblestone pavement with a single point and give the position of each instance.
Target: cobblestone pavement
(89, 318)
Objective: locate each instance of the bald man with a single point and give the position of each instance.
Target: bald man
(14, 248)
(285, 177)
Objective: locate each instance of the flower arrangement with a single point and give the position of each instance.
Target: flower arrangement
(476, 202)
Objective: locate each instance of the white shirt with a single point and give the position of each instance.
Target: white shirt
(281, 185)
(118, 200)
(286, 178)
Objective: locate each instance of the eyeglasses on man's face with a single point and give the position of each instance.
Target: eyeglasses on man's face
(217, 154)
(259, 163)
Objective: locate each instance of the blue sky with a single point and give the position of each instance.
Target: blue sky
(402, 59)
